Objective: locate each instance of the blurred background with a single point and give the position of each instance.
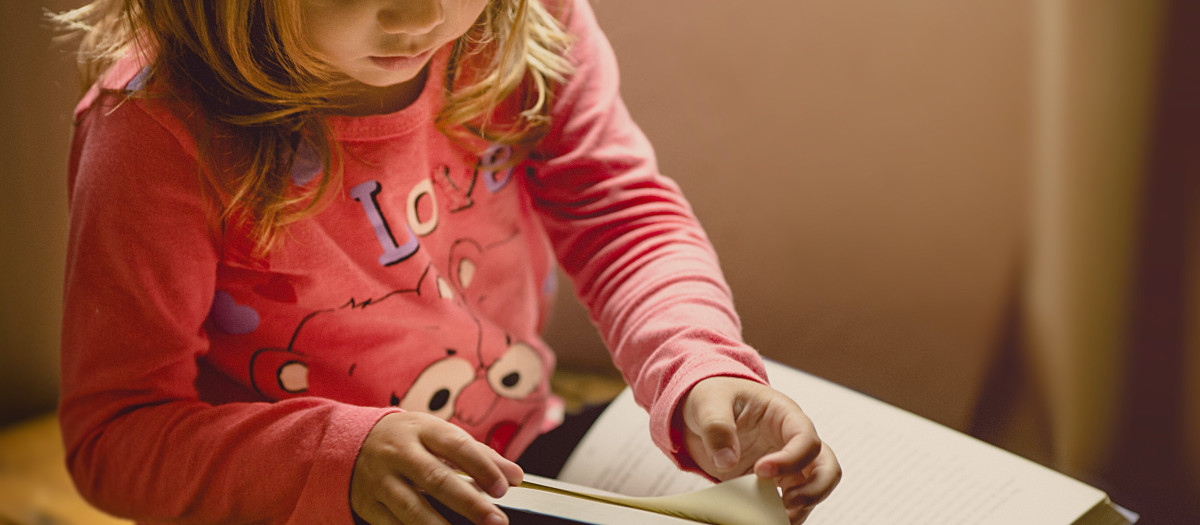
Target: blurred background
(982, 212)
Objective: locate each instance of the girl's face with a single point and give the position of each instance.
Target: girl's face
(384, 43)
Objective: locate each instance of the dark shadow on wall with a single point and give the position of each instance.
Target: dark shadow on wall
(1148, 472)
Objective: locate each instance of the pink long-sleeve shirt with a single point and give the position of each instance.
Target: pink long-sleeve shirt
(203, 384)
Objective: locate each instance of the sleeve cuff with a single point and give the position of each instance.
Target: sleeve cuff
(666, 425)
(326, 495)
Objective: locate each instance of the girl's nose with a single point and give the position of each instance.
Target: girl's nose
(413, 17)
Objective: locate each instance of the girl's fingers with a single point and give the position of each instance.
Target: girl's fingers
(406, 455)
(827, 473)
(798, 515)
(490, 471)
(512, 471)
(797, 454)
(715, 424)
(378, 514)
(403, 504)
(801, 446)
(811, 487)
(456, 493)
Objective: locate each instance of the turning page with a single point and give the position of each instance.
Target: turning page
(747, 500)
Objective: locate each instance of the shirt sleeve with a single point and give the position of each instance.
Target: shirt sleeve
(139, 284)
(635, 252)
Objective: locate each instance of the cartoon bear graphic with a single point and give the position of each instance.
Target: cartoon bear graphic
(418, 349)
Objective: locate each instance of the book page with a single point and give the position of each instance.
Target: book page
(898, 468)
(742, 501)
(583, 510)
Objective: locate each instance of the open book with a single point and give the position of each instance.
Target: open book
(898, 468)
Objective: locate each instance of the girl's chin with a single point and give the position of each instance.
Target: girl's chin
(382, 82)
(374, 95)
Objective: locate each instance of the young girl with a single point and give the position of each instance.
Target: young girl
(313, 243)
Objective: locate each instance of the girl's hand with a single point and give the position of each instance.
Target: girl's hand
(408, 453)
(733, 426)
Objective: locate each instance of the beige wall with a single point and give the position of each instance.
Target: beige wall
(37, 89)
(861, 169)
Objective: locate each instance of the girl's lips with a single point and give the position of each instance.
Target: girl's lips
(397, 63)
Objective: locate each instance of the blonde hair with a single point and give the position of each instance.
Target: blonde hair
(265, 91)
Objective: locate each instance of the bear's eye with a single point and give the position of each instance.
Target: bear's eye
(439, 400)
(517, 373)
(511, 380)
(438, 386)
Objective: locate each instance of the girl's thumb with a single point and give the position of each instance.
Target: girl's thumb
(716, 426)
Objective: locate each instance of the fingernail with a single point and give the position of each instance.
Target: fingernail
(725, 458)
(766, 470)
(495, 518)
(499, 489)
